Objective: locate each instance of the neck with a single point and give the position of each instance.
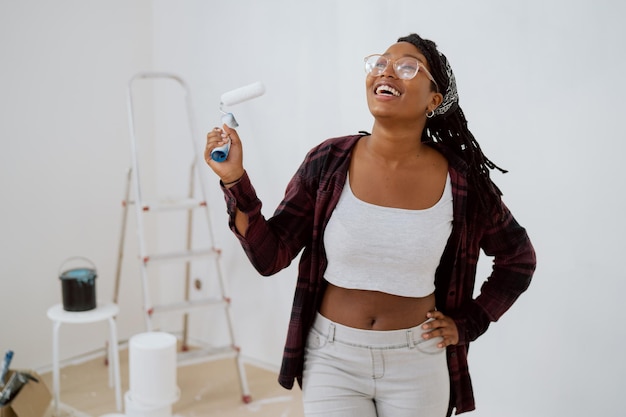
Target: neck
(395, 143)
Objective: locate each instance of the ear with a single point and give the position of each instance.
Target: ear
(435, 101)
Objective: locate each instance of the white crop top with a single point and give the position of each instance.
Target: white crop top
(386, 249)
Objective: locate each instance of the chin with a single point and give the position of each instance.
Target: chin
(381, 111)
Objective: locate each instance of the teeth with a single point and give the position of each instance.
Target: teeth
(386, 89)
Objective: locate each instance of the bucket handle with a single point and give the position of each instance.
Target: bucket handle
(73, 258)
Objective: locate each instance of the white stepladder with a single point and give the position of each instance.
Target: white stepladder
(188, 255)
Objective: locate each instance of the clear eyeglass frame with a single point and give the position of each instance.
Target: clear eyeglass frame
(405, 68)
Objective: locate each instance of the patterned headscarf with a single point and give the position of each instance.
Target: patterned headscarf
(441, 72)
(451, 97)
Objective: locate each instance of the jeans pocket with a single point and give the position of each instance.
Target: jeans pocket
(430, 345)
(316, 340)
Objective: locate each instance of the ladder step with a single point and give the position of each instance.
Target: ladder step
(206, 354)
(172, 205)
(184, 255)
(187, 306)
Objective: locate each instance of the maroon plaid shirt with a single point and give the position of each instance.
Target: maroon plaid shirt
(299, 222)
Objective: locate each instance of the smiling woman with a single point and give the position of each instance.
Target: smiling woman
(391, 224)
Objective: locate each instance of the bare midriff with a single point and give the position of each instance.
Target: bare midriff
(374, 310)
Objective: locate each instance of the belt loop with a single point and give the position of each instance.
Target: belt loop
(409, 339)
(331, 333)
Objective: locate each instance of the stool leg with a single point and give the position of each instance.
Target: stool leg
(108, 359)
(115, 362)
(55, 365)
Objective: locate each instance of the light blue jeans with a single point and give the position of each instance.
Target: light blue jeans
(366, 373)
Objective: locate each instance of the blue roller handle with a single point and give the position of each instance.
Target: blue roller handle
(220, 153)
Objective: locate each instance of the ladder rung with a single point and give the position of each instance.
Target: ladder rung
(171, 205)
(184, 255)
(206, 354)
(186, 306)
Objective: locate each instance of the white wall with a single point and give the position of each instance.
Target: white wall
(63, 73)
(540, 83)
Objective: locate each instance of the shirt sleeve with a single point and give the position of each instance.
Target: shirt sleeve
(270, 244)
(514, 263)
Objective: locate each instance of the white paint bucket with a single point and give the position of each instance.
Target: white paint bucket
(152, 369)
(135, 409)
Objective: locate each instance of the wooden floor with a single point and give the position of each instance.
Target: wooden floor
(207, 389)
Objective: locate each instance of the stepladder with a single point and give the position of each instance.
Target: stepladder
(182, 283)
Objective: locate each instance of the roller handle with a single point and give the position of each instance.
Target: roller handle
(220, 153)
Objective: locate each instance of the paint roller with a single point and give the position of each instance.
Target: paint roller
(231, 98)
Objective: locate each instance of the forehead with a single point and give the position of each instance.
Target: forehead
(406, 49)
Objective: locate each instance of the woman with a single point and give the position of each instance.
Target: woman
(391, 224)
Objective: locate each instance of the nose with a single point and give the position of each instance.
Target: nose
(389, 71)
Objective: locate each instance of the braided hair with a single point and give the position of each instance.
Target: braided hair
(448, 127)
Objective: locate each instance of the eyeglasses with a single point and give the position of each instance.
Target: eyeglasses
(405, 68)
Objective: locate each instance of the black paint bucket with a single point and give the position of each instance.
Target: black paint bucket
(78, 287)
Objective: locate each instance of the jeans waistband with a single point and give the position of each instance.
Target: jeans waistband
(374, 338)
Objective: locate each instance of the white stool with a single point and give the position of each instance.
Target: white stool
(102, 312)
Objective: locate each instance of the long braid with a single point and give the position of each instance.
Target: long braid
(450, 129)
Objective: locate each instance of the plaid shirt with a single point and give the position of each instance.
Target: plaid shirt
(299, 222)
